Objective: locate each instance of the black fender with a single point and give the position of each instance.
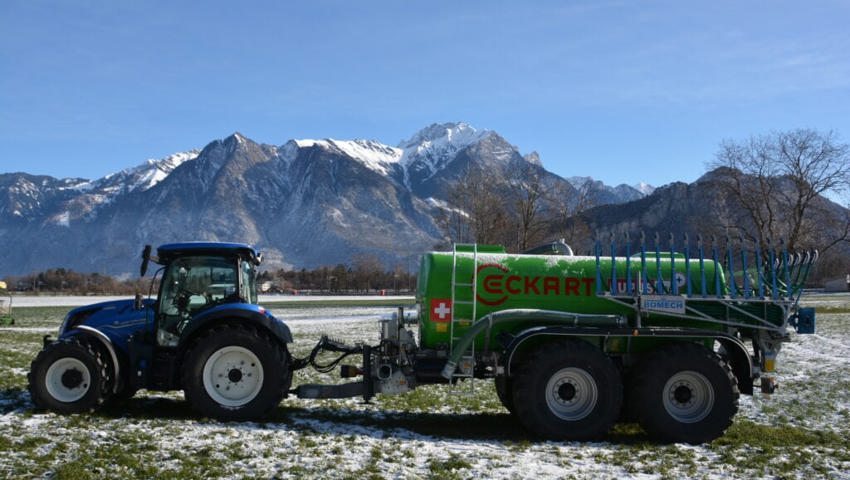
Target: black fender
(101, 339)
(277, 328)
(734, 349)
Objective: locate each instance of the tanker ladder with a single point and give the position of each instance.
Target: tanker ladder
(468, 295)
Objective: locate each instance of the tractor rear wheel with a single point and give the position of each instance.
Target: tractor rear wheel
(685, 393)
(69, 376)
(568, 390)
(235, 372)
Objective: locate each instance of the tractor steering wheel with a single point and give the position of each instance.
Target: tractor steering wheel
(181, 301)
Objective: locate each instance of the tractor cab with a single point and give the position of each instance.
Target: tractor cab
(199, 277)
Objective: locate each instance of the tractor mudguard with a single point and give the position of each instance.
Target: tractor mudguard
(103, 340)
(736, 352)
(251, 316)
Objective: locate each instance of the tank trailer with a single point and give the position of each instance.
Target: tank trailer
(669, 339)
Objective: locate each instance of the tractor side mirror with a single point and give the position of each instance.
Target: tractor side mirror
(138, 301)
(146, 258)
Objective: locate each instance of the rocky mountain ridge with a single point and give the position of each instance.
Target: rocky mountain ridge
(304, 203)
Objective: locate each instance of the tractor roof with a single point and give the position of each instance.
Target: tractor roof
(170, 251)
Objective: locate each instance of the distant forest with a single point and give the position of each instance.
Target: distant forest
(366, 275)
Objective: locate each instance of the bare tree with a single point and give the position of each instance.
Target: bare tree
(528, 195)
(367, 269)
(567, 202)
(780, 180)
(476, 212)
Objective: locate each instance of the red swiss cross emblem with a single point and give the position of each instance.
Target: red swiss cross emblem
(441, 310)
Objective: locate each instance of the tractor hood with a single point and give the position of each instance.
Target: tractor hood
(113, 313)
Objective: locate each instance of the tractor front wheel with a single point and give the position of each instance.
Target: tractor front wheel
(235, 373)
(69, 376)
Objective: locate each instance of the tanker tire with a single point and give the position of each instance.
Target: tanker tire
(504, 390)
(69, 376)
(234, 350)
(568, 390)
(685, 393)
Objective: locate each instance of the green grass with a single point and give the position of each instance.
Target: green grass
(466, 432)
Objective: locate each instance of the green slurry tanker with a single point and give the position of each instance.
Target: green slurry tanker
(574, 343)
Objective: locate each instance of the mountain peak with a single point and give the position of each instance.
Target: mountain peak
(449, 132)
(643, 188)
(236, 138)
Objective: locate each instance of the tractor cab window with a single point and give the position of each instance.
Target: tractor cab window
(192, 284)
(249, 282)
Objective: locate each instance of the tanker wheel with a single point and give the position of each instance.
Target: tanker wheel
(504, 390)
(69, 376)
(235, 372)
(685, 393)
(568, 390)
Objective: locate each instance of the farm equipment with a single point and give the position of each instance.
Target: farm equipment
(573, 343)
(6, 317)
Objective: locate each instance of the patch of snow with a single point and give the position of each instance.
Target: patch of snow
(63, 219)
(374, 155)
(644, 188)
(338, 217)
(443, 205)
(142, 177)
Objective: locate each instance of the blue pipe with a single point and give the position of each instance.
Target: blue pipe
(702, 282)
(628, 265)
(659, 282)
(598, 267)
(744, 266)
(688, 265)
(644, 273)
(674, 285)
(759, 272)
(729, 269)
(717, 291)
(613, 266)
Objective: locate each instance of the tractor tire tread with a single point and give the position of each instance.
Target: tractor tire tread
(281, 358)
(84, 345)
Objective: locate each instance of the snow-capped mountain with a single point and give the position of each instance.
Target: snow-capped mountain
(141, 177)
(432, 148)
(644, 188)
(304, 203)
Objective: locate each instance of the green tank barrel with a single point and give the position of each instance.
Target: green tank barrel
(542, 282)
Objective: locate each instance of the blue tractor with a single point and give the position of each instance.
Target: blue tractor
(203, 334)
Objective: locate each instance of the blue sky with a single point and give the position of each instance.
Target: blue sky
(621, 91)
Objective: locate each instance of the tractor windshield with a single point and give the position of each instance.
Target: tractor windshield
(194, 283)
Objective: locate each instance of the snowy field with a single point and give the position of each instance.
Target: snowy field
(803, 431)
